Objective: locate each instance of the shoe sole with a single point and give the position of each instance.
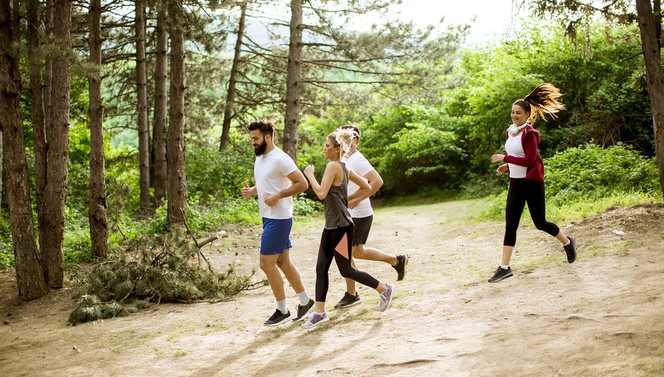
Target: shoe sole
(287, 319)
(573, 257)
(501, 279)
(316, 324)
(405, 264)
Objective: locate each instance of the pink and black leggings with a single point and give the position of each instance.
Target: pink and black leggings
(329, 241)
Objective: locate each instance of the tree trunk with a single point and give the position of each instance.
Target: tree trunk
(230, 98)
(29, 275)
(97, 215)
(292, 119)
(177, 183)
(142, 109)
(158, 165)
(51, 232)
(37, 97)
(655, 79)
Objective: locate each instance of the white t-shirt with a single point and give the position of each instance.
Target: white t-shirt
(271, 171)
(513, 147)
(358, 163)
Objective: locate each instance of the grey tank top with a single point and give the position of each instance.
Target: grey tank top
(336, 204)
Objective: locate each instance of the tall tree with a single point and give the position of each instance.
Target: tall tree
(30, 278)
(142, 109)
(292, 117)
(158, 166)
(230, 97)
(37, 100)
(177, 182)
(650, 43)
(52, 230)
(97, 215)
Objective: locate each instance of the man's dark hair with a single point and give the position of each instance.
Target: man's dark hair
(353, 128)
(263, 125)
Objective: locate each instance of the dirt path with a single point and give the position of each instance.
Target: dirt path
(601, 316)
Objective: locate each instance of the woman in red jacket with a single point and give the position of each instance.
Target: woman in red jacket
(526, 173)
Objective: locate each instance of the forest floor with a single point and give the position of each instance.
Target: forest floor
(600, 316)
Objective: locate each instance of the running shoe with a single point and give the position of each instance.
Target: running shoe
(386, 297)
(303, 310)
(348, 300)
(315, 320)
(570, 250)
(402, 262)
(278, 318)
(501, 274)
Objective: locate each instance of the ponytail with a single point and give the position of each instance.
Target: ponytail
(543, 101)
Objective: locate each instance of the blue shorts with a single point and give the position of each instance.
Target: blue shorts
(276, 236)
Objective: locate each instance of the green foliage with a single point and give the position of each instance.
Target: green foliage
(412, 147)
(214, 174)
(153, 269)
(593, 172)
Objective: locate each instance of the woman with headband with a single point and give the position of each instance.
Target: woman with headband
(336, 241)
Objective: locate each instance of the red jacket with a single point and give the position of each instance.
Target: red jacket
(533, 160)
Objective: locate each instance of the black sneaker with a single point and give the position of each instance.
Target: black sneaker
(402, 262)
(303, 310)
(501, 274)
(278, 318)
(348, 300)
(570, 250)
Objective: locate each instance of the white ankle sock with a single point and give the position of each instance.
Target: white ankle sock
(281, 306)
(504, 267)
(568, 242)
(303, 297)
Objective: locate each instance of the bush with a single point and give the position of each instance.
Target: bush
(591, 171)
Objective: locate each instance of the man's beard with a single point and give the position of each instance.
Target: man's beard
(259, 150)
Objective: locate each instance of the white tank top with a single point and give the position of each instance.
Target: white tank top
(513, 147)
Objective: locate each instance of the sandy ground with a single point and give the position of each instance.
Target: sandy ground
(600, 316)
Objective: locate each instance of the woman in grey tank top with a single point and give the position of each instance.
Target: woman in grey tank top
(336, 241)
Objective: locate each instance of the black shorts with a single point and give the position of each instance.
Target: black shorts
(362, 228)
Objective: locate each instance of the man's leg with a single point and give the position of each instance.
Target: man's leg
(290, 271)
(268, 264)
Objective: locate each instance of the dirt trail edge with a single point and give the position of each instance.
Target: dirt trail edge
(600, 316)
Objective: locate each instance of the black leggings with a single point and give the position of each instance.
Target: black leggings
(520, 192)
(328, 242)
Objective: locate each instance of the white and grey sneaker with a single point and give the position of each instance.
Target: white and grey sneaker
(386, 297)
(315, 320)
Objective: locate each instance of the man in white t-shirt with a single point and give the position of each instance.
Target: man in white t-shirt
(277, 180)
(362, 214)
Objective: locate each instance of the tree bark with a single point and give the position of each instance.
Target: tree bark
(97, 215)
(158, 165)
(57, 178)
(142, 109)
(292, 118)
(37, 97)
(230, 98)
(29, 275)
(654, 78)
(177, 183)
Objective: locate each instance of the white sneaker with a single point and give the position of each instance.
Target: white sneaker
(315, 320)
(386, 297)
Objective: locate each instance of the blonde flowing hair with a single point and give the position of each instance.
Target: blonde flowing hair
(542, 102)
(342, 138)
